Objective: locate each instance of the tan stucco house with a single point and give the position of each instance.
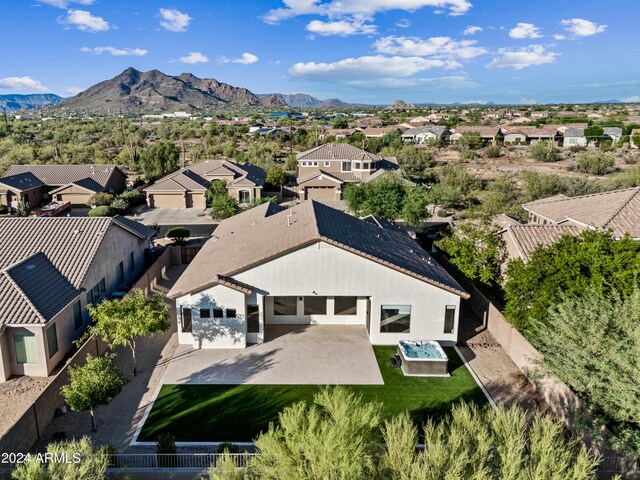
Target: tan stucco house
(71, 183)
(187, 187)
(50, 270)
(324, 170)
(21, 188)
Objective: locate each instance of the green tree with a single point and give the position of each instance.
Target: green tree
(224, 206)
(475, 250)
(84, 463)
(276, 177)
(414, 161)
(568, 267)
(93, 384)
(414, 206)
(470, 141)
(100, 199)
(635, 139)
(336, 438)
(594, 133)
(217, 187)
(178, 234)
(159, 159)
(226, 469)
(340, 122)
(384, 197)
(103, 211)
(595, 163)
(122, 322)
(599, 331)
(484, 445)
(354, 196)
(544, 152)
(445, 195)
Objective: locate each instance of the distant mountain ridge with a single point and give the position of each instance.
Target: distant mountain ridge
(13, 103)
(150, 92)
(303, 100)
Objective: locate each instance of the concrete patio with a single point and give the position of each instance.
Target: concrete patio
(292, 355)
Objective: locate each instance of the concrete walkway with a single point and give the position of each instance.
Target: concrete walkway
(297, 354)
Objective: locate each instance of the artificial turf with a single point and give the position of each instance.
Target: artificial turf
(238, 413)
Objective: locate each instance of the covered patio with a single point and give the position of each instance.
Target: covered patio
(291, 355)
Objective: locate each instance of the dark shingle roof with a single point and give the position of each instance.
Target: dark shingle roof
(21, 182)
(58, 175)
(255, 237)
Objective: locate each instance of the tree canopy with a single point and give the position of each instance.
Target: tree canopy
(159, 159)
(121, 322)
(93, 384)
(568, 267)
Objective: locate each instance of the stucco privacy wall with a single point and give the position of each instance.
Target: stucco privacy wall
(25, 432)
(324, 270)
(562, 401)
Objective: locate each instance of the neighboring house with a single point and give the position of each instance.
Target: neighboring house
(574, 137)
(312, 264)
(25, 187)
(73, 183)
(375, 132)
(187, 187)
(618, 210)
(612, 133)
(50, 269)
(421, 135)
(488, 134)
(543, 114)
(269, 132)
(338, 133)
(522, 239)
(519, 135)
(324, 170)
(515, 136)
(437, 117)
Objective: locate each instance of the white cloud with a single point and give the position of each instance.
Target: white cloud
(22, 83)
(523, 57)
(116, 52)
(581, 27)
(341, 28)
(472, 30)
(73, 90)
(194, 57)
(437, 47)
(85, 21)
(174, 20)
(632, 99)
(559, 36)
(361, 70)
(245, 59)
(524, 30)
(359, 8)
(528, 101)
(65, 3)
(403, 23)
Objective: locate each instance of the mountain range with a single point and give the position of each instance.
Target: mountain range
(13, 103)
(147, 92)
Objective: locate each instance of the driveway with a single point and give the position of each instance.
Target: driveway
(197, 220)
(292, 355)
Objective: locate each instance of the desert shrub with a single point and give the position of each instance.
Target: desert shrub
(228, 447)
(178, 234)
(596, 163)
(468, 155)
(101, 199)
(494, 151)
(119, 205)
(441, 212)
(544, 152)
(132, 197)
(103, 211)
(3, 209)
(166, 443)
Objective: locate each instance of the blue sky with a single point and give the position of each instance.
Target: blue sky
(373, 51)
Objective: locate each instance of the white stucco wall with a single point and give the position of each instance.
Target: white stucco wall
(325, 270)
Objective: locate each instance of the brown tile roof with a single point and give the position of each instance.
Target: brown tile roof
(58, 175)
(617, 209)
(529, 236)
(62, 250)
(248, 239)
(181, 181)
(486, 132)
(337, 151)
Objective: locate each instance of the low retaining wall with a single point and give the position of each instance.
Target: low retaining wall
(147, 282)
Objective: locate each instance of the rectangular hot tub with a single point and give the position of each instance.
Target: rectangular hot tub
(423, 358)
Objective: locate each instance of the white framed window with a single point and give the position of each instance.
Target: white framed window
(327, 164)
(449, 318)
(395, 319)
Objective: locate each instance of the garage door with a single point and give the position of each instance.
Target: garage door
(321, 193)
(167, 201)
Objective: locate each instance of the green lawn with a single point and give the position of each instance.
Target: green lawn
(238, 413)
